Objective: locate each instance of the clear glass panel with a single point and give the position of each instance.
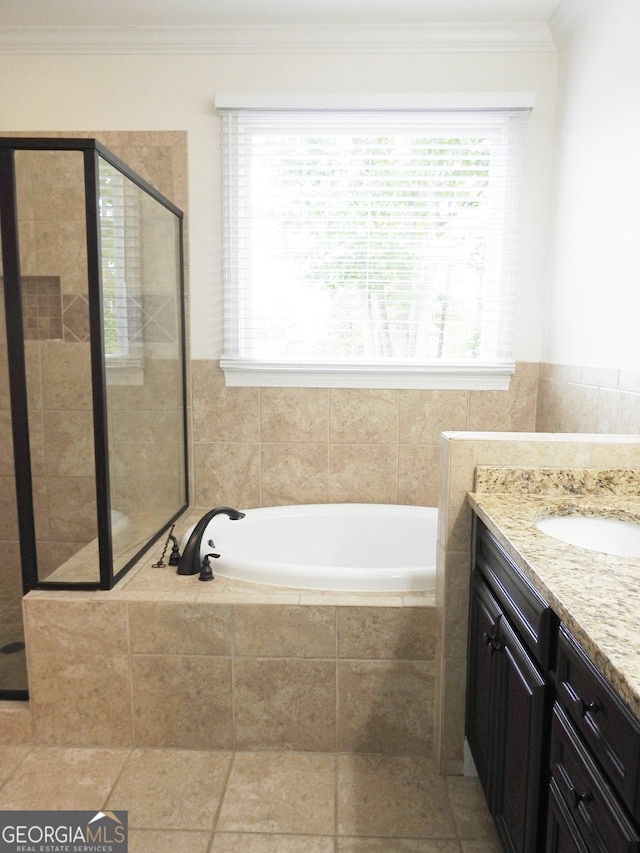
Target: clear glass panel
(143, 409)
(13, 669)
(55, 298)
(141, 276)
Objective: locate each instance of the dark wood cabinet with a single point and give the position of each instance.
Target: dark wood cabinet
(508, 700)
(562, 833)
(556, 749)
(482, 698)
(594, 757)
(593, 811)
(608, 728)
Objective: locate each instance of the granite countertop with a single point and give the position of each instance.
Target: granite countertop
(596, 595)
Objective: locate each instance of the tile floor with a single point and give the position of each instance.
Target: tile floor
(187, 801)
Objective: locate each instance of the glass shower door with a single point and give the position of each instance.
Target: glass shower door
(140, 245)
(13, 669)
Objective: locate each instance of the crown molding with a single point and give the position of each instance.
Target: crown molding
(568, 17)
(442, 38)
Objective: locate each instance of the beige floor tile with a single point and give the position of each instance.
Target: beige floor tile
(396, 845)
(481, 847)
(54, 778)
(392, 796)
(242, 842)
(16, 724)
(280, 793)
(469, 808)
(171, 789)
(10, 757)
(171, 841)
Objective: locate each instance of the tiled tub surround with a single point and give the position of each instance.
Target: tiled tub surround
(596, 595)
(273, 446)
(169, 661)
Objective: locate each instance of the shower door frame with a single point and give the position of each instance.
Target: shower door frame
(92, 151)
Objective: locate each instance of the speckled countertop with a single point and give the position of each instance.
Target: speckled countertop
(596, 595)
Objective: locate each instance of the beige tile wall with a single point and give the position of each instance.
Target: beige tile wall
(206, 675)
(588, 399)
(275, 446)
(461, 453)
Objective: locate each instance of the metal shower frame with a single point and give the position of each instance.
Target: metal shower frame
(92, 151)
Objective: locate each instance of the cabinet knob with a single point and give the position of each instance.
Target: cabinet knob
(492, 642)
(578, 797)
(583, 708)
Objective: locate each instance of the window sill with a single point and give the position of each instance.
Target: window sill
(288, 374)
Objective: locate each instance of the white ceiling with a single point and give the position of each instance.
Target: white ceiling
(202, 13)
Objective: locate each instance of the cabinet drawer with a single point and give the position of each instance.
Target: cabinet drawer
(592, 803)
(530, 614)
(562, 832)
(610, 729)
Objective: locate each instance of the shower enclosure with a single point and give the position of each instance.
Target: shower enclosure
(93, 465)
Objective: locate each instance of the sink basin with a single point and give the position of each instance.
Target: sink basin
(596, 533)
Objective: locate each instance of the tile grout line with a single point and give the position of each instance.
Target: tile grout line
(233, 679)
(124, 764)
(28, 748)
(223, 795)
(128, 605)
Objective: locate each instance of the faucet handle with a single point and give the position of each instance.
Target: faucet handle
(174, 558)
(206, 572)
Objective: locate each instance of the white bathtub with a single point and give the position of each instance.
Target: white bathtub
(358, 547)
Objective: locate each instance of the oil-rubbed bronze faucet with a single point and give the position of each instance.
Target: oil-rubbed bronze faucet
(190, 561)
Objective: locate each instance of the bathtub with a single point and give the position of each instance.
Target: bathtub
(357, 547)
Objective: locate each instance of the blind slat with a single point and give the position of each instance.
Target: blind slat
(370, 234)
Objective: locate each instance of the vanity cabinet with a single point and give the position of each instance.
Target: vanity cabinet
(594, 760)
(556, 749)
(511, 642)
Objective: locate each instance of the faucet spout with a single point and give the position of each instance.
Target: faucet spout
(190, 561)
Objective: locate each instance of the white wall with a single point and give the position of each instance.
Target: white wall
(594, 299)
(172, 92)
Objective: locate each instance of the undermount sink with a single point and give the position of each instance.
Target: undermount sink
(595, 533)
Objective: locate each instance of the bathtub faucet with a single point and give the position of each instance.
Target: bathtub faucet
(190, 560)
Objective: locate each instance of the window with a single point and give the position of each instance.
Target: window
(121, 267)
(370, 248)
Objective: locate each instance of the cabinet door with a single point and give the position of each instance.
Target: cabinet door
(484, 620)
(562, 834)
(505, 722)
(520, 791)
(595, 809)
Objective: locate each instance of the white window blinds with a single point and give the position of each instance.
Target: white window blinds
(120, 247)
(370, 242)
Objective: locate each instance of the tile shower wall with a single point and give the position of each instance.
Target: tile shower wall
(275, 446)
